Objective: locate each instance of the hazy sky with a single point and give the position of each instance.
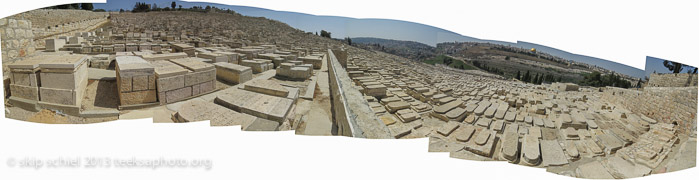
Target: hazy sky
(341, 27)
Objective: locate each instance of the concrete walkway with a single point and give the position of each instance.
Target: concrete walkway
(319, 120)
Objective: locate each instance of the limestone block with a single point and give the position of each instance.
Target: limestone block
(233, 73)
(53, 45)
(137, 97)
(59, 96)
(552, 154)
(125, 84)
(395, 106)
(448, 128)
(140, 83)
(266, 87)
(25, 92)
(259, 105)
(215, 58)
(530, 150)
(464, 133)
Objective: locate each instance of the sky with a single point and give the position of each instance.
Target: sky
(341, 27)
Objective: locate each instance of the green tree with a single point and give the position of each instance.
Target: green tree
(173, 4)
(675, 67)
(87, 6)
(141, 7)
(527, 77)
(326, 34)
(536, 78)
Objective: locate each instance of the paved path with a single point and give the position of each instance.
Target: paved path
(319, 120)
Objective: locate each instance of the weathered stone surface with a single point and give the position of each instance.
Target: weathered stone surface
(572, 150)
(177, 94)
(464, 133)
(395, 106)
(407, 115)
(510, 116)
(170, 83)
(447, 107)
(610, 143)
(593, 170)
(199, 77)
(233, 73)
(387, 120)
(484, 122)
(193, 64)
(482, 137)
(200, 110)
(456, 114)
(448, 128)
(26, 92)
(530, 150)
(399, 131)
(267, 87)
(58, 96)
(261, 124)
(138, 97)
(166, 69)
(470, 119)
(140, 83)
(510, 144)
(552, 154)
(259, 105)
(130, 66)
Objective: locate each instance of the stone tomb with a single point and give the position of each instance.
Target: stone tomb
(214, 57)
(510, 143)
(267, 87)
(24, 78)
(257, 66)
(183, 48)
(317, 61)
(169, 79)
(53, 45)
(135, 81)
(295, 72)
(200, 79)
(233, 73)
(63, 82)
(530, 150)
(552, 154)
(483, 143)
(441, 111)
(256, 104)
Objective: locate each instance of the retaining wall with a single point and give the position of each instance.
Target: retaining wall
(672, 80)
(21, 34)
(17, 39)
(350, 110)
(664, 104)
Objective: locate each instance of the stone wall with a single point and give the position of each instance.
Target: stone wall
(672, 80)
(22, 33)
(17, 39)
(664, 104)
(350, 110)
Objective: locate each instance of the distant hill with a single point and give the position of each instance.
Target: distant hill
(407, 49)
(341, 27)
